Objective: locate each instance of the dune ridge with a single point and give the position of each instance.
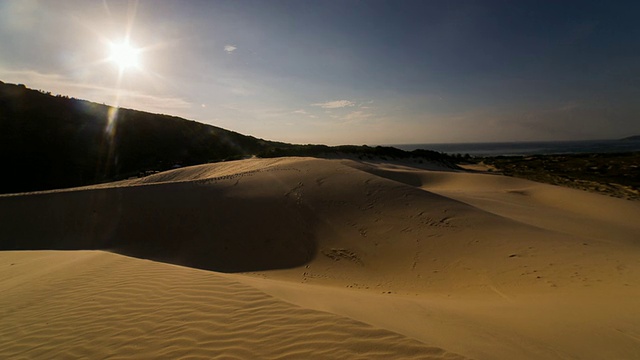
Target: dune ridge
(480, 265)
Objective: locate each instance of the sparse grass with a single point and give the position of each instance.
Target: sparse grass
(617, 175)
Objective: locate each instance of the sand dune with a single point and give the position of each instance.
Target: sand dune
(389, 260)
(100, 305)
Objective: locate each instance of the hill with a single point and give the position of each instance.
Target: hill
(62, 142)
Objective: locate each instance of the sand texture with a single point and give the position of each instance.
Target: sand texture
(100, 305)
(310, 258)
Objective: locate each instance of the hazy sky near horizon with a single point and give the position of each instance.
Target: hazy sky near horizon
(344, 71)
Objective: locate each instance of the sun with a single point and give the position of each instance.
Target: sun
(125, 55)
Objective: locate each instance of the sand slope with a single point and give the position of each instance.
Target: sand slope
(480, 265)
(100, 305)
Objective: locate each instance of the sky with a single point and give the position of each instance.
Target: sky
(344, 71)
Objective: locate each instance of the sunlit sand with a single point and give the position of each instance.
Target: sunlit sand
(311, 258)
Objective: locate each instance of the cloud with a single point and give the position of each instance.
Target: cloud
(357, 115)
(299, 112)
(152, 103)
(334, 104)
(256, 112)
(236, 86)
(230, 48)
(63, 85)
(241, 90)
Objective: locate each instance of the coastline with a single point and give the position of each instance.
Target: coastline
(523, 148)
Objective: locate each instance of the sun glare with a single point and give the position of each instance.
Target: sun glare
(125, 56)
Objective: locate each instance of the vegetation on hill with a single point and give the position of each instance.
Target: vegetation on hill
(361, 151)
(616, 175)
(50, 142)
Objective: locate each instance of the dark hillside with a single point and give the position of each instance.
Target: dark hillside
(49, 142)
(52, 142)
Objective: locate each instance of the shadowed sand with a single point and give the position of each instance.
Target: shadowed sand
(331, 259)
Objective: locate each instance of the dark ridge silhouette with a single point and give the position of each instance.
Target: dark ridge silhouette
(362, 151)
(60, 142)
(52, 142)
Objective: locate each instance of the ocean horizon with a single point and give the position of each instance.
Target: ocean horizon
(529, 147)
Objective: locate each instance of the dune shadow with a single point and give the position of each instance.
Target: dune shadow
(186, 224)
(401, 176)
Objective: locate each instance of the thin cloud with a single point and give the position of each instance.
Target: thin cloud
(59, 84)
(166, 105)
(300, 112)
(230, 48)
(357, 115)
(334, 104)
(236, 86)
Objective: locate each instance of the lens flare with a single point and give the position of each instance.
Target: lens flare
(112, 115)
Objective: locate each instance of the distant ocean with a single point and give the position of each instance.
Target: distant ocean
(529, 148)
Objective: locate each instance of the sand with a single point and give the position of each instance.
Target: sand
(312, 258)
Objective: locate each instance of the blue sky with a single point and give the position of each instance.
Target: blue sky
(337, 72)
